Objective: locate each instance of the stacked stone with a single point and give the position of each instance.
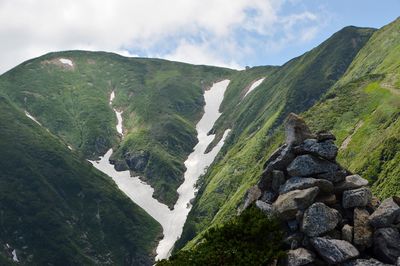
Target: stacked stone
(329, 214)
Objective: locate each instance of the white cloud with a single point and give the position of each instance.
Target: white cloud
(204, 31)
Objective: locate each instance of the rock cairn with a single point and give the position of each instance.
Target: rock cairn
(329, 214)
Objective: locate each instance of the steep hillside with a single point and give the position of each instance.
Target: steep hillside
(295, 86)
(162, 101)
(363, 110)
(56, 209)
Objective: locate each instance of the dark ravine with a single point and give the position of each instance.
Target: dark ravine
(328, 213)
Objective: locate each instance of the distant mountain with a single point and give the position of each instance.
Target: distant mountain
(56, 209)
(161, 103)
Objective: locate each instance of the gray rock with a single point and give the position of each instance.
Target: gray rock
(319, 219)
(287, 205)
(334, 251)
(294, 240)
(278, 179)
(309, 165)
(269, 196)
(347, 233)
(252, 194)
(306, 182)
(351, 182)
(386, 214)
(280, 162)
(334, 177)
(300, 256)
(365, 262)
(328, 199)
(356, 198)
(296, 130)
(264, 207)
(326, 149)
(362, 230)
(387, 244)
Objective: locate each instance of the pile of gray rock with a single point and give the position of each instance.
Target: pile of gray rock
(329, 214)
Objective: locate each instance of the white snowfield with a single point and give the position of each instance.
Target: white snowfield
(139, 192)
(254, 85)
(32, 118)
(66, 61)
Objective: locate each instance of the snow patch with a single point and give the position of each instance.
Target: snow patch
(254, 85)
(15, 258)
(32, 118)
(66, 61)
(141, 193)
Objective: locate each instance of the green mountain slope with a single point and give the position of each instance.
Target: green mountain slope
(295, 86)
(56, 209)
(161, 103)
(363, 109)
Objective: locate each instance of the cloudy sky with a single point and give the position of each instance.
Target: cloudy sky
(233, 33)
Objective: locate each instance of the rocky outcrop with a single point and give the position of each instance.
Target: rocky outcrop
(329, 214)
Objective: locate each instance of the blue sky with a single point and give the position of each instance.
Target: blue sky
(232, 33)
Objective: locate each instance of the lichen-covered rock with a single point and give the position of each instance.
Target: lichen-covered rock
(309, 165)
(347, 233)
(296, 130)
(300, 256)
(294, 183)
(386, 214)
(356, 197)
(362, 230)
(264, 207)
(288, 204)
(319, 219)
(325, 149)
(387, 244)
(334, 251)
(351, 182)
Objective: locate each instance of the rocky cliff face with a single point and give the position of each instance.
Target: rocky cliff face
(329, 214)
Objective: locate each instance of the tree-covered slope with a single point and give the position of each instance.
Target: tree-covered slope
(293, 87)
(56, 209)
(68, 92)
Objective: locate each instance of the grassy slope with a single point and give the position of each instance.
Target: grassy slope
(365, 104)
(295, 86)
(57, 209)
(161, 101)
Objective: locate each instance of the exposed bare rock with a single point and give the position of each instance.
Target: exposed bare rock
(319, 219)
(325, 149)
(296, 130)
(386, 214)
(253, 194)
(387, 244)
(347, 233)
(309, 165)
(334, 251)
(300, 256)
(288, 204)
(306, 182)
(362, 230)
(351, 182)
(356, 198)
